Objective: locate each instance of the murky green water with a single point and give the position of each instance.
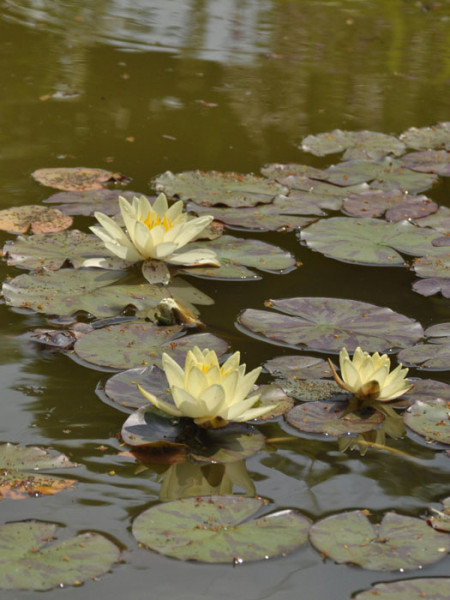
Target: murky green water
(226, 85)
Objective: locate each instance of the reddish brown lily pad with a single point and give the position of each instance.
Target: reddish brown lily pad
(396, 204)
(77, 178)
(41, 219)
(430, 161)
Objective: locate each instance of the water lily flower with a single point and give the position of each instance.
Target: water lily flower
(154, 232)
(209, 393)
(368, 377)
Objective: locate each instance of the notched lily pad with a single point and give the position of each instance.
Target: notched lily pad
(41, 219)
(141, 344)
(430, 419)
(156, 431)
(433, 588)
(398, 543)
(77, 178)
(430, 161)
(357, 144)
(238, 256)
(433, 265)
(329, 324)
(440, 220)
(215, 529)
(432, 285)
(431, 357)
(332, 419)
(367, 241)
(211, 188)
(18, 472)
(122, 388)
(31, 560)
(88, 201)
(395, 204)
(425, 138)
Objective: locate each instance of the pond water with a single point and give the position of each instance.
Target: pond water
(143, 87)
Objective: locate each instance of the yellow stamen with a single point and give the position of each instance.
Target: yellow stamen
(153, 220)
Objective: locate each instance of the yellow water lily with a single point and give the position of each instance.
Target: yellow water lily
(209, 393)
(154, 232)
(368, 378)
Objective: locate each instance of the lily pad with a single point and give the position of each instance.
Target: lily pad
(295, 366)
(429, 357)
(77, 178)
(432, 285)
(440, 519)
(282, 213)
(398, 543)
(275, 395)
(396, 204)
(141, 344)
(150, 428)
(440, 220)
(436, 264)
(430, 161)
(430, 419)
(438, 331)
(215, 529)
(311, 390)
(30, 560)
(53, 251)
(425, 138)
(211, 188)
(433, 588)
(329, 324)
(332, 419)
(88, 201)
(122, 387)
(425, 390)
(292, 175)
(357, 144)
(18, 472)
(236, 254)
(40, 218)
(367, 241)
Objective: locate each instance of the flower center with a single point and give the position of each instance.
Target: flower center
(153, 220)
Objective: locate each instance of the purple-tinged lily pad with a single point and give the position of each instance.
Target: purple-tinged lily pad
(40, 218)
(329, 324)
(236, 254)
(292, 175)
(141, 344)
(396, 204)
(295, 367)
(440, 220)
(429, 357)
(430, 161)
(77, 178)
(89, 201)
(215, 529)
(425, 390)
(149, 428)
(432, 285)
(213, 187)
(332, 419)
(367, 241)
(357, 144)
(398, 543)
(433, 588)
(438, 331)
(281, 214)
(426, 138)
(45, 251)
(60, 339)
(31, 560)
(430, 419)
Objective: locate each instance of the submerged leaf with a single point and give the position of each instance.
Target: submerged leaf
(29, 560)
(215, 529)
(40, 218)
(77, 178)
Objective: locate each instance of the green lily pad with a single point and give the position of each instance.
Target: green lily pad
(429, 357)
(18, 472)
(440, 519)
(281, 214)
(41, 219)
(152, 429)
(331, 419)
(53, 251)
(292, 175)
(433, 265)
(437, 136)
(211, 188)
(430, 161)
(432, 285)
(433, 588)
(398, 543)
(88, 201)
(295, 366)
(387, 174)
(311, 390)
(440, 220)
(141, 344)
(367, 241)
(396, 204)
(357, 144)
(122, 388)
(215, 529)
(30, 560)
(77, 178)
(329, 324)
(236, 254)
(430, 419)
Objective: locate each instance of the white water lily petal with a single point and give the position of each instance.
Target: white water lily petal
(188, 405)
(194, 258)
(214, 398)
(192, 228)
(254, 413)
(161, 404)
(234, 411)
(350, 375)
(173, 371)
(160, 206)
(128, 254)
